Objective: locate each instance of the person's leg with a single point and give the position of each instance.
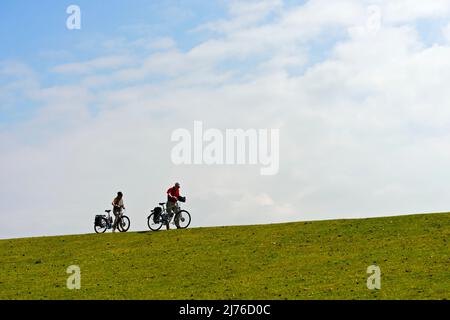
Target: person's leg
(170, 208)
(173, 214)
(116, 213)
(176, 221)
(177, 217)
(170, 211)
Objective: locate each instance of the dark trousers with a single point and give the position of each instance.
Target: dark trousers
(117, 214)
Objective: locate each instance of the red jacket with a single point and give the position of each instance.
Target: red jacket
(173, 194)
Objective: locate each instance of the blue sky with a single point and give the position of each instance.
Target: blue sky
(362, 111)
(31, 29)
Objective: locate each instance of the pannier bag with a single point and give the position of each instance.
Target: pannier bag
(98, 220)
(157, 212)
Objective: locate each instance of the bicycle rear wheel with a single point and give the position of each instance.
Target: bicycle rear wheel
(124, 224)
(154, 225)
(102, 226)
(182, 219)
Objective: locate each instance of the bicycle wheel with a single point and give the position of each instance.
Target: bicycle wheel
(102, 226)
(182, 219)
(154, 226)
(124, 224)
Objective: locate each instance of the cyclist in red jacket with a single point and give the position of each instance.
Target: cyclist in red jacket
(172, 197)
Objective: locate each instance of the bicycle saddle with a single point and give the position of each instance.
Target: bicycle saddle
(107, 211)
(161, 203)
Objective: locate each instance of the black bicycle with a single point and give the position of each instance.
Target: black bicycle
(103, 222)
(160, 217)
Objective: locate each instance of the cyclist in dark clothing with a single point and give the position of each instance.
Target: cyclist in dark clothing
(117, 208)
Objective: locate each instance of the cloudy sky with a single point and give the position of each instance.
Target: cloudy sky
(359, 91)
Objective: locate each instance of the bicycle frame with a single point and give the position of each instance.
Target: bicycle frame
(177, 209)
(110, 220)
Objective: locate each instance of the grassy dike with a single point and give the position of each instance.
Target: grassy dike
(304, 260)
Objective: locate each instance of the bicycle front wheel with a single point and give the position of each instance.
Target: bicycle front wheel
(154, 224)
(182, 219)
(124, 224)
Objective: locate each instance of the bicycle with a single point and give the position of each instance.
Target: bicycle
(103, 222)
(160, 217)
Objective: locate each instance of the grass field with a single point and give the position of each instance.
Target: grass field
(305, 260)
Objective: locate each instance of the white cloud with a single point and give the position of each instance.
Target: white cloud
(243, 14)
(402, 11)
(109, 62)
(17, 77)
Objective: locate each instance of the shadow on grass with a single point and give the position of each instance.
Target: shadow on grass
(146, 232)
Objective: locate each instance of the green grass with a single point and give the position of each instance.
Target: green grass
(305, 260)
